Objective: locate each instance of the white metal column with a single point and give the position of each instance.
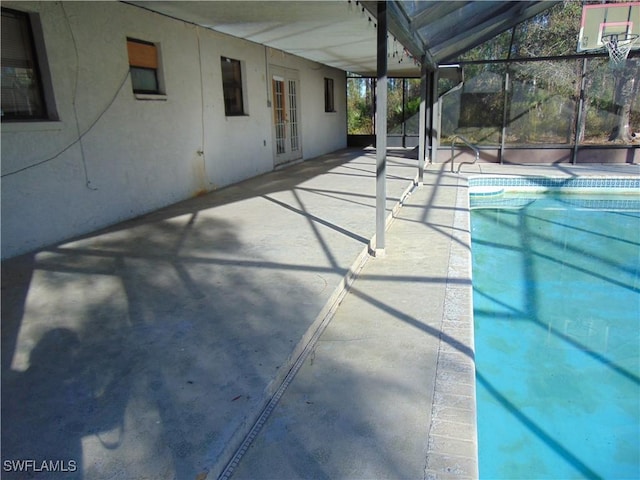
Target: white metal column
(423, 123)
(381, 128)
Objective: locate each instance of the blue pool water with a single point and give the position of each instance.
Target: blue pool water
(556, 283)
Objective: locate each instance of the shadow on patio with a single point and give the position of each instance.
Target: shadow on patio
(147, 349)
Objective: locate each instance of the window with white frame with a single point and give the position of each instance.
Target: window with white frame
(143, 65)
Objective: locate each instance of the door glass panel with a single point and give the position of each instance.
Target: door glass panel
(279, 114)
(293, 116)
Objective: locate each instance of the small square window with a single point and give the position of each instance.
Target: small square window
(22, 89)
(143, 65)
(232, 86)
(329, 105)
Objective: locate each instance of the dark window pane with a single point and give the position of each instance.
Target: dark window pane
(232, 86)
(22, 96)
(329, 105)
(144, 80)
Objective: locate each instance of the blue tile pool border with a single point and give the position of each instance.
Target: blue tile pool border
(542, 184)
(488, 191)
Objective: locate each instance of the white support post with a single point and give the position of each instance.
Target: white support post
(423, 123)
(381, 129)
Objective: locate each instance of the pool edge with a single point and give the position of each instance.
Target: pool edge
(453, 445)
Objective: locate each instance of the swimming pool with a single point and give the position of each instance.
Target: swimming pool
(556, 281)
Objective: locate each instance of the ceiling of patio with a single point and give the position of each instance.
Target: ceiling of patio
(342, 33)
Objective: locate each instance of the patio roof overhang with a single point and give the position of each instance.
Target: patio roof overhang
(342, 33)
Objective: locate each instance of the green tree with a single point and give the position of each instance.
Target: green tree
(360, 106)
(626, 89)
(554, 33)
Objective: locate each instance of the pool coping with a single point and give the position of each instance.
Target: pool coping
(454, 414)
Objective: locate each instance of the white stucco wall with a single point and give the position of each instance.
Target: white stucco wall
(137, 155)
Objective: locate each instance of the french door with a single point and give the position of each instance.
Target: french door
(286, 115)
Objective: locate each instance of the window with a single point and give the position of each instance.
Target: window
(232, 86)
(329, 105)
(22, 89)
(143, 63)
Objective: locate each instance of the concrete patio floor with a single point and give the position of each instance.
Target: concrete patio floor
(217, 337)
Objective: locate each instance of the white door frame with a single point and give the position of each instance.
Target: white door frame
(286, 117)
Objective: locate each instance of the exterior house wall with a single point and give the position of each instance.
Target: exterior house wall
(139, 153)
